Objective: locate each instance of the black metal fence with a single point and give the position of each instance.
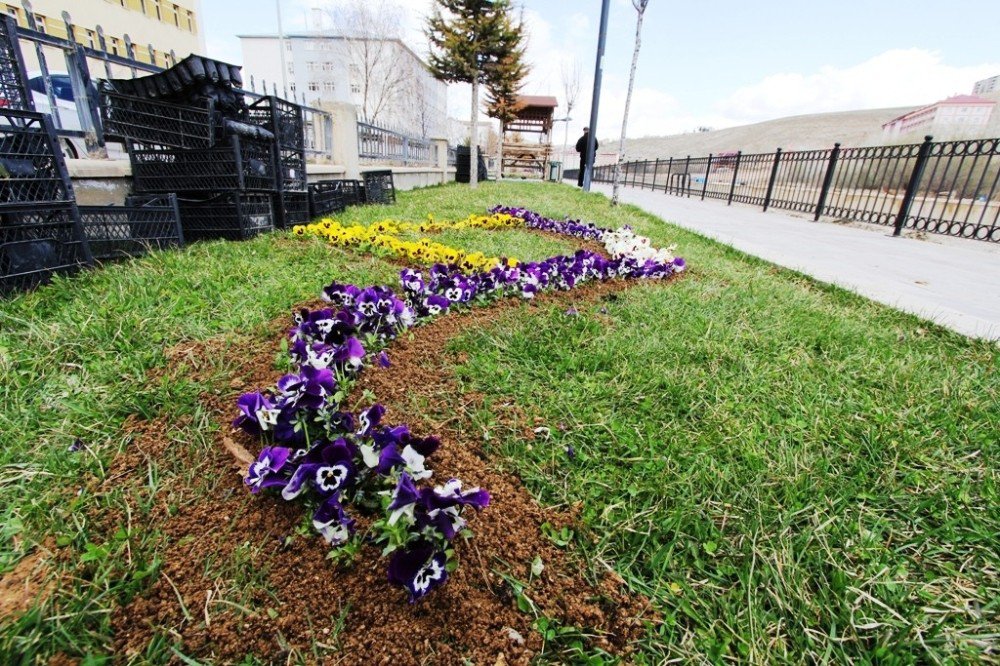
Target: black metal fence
(80, 122)
(947, 187)
(379, 144)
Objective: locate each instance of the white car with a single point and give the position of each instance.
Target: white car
(69, 118)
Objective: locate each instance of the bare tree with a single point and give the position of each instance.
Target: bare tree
(570, 75)
(373, 32)
(640, 8)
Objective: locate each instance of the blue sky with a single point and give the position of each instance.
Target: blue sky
(718, 63)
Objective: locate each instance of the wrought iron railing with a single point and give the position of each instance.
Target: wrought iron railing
(80, 59)
(949, 187)
(380, 144)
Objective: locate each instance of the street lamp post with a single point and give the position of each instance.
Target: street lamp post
(595, 103)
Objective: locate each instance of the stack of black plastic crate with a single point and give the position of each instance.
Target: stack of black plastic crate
(189, 131)
(40, 229)
(285, 121)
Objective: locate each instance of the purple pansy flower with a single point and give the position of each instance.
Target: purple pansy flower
(419, 569)
(383, 359)
(332, 522)
(351, 353)
(265, 471)
(343, 295)
(257, 413)
(328, 468)
(309, 388)
(369, 420)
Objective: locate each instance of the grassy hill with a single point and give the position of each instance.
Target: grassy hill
(807, 132)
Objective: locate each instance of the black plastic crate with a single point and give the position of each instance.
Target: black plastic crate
(150, 121)
(333, 196)
(38, 241)
(282, 118)
(229, 215)
(13, 80)
(244, 164)
(32, 169)
(292, 169)
(291, 208)
(379, 187)
(144, 223)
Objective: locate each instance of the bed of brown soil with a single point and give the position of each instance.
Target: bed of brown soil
(26, 583)
(241, 576)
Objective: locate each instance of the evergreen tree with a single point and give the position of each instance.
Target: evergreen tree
(469, 40)
(502, 88)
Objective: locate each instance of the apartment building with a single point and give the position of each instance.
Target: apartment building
(959, 112)
(155, 27)
(384, 79)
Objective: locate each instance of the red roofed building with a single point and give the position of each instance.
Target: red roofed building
(955, 113)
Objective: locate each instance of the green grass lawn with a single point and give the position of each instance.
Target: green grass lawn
(790, 472)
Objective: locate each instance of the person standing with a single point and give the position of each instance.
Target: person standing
(581, 147)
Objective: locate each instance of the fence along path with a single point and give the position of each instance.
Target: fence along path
(949, 187)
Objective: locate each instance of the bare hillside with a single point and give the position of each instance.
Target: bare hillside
(819, 130)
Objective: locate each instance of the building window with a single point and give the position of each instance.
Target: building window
(177, 16)
(328, 86)
(291, 86)
(288, 46)
(159, 14)
(90, 38)
(142, 6)
(40, 23)
(356, 88)
(313, 86)
(12, 11)
(190, 22)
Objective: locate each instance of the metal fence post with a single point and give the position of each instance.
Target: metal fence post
(687, 177)
(86, 102)
(911, 188)
(827, 181)
(104, 51)
(625, 178)
(770, 182)
(736, 170)
(708, 169)
(656, 167)
(670, 168)
(43, 67)
(130, 52)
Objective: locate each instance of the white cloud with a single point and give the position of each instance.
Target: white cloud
(899, 77)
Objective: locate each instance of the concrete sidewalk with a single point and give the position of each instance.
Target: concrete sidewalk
(953, 282)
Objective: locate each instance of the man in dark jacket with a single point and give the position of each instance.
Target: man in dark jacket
(581, 147)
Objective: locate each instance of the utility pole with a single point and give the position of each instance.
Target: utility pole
(596, 101)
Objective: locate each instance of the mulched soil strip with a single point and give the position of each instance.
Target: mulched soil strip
(249, 589)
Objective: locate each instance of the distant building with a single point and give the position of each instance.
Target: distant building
(459, 131)
(985, 86)
(960, 112)
(321, 67)
(155, 27)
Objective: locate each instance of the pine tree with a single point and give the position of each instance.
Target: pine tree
(502, 88)
(469, 40)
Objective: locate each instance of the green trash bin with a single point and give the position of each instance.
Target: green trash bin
(555, 171)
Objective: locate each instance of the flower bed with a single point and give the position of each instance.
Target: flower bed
(315, 451)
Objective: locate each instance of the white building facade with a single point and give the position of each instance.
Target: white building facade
(986, 86)
(384, 79)
(961, 112)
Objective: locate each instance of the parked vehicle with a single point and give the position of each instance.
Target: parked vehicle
(69, 117)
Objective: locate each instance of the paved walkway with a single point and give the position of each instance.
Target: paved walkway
(951, 281)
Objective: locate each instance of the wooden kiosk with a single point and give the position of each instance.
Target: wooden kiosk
(527, 140)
